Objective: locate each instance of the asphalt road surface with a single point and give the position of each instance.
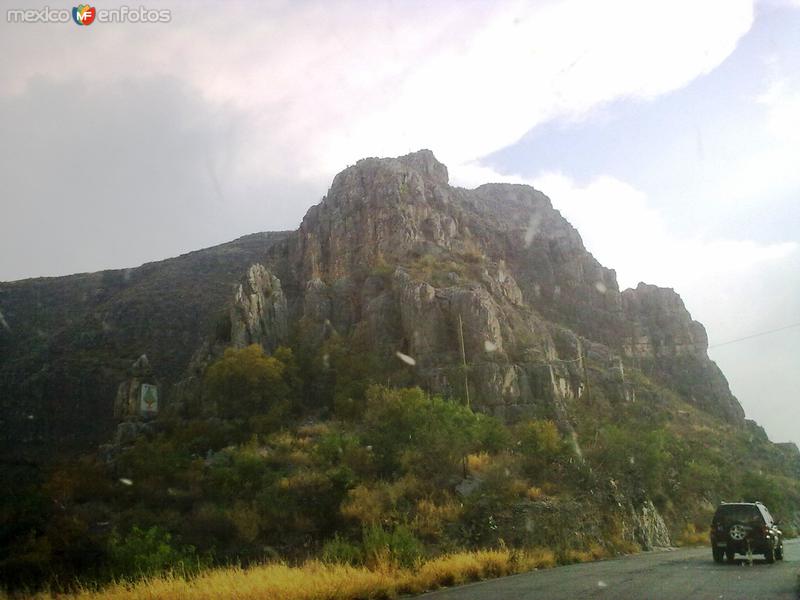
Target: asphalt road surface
(661, 575)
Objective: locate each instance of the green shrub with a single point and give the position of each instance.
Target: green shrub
(491, 435)
(492, 504)
(637, 459)
(540, 445)
(766, 489)
(414, 433)
(198, 436)
(338, 550)
(700, 478)
(246, 382)
(149, 552)
(397, 547)
(337, 448)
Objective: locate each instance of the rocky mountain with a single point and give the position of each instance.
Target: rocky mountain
(492, 278)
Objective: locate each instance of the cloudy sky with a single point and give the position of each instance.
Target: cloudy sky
(666, 132)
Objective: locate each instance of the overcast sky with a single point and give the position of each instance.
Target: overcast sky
(666, 132)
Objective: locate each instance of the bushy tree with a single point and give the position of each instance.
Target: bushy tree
(246, 382)
(428, 436)
(637, 459)
(769, 490)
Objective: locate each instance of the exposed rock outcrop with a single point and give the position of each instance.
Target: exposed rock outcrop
(564, 523)
(513, 270)
(259, 314)
(647, 527)
(130, 401)
(667, 344)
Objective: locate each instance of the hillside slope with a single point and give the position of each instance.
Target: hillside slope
(68, 342)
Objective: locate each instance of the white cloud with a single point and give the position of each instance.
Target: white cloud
(749, 167)
(623, 231)
(780, 3)
(782, 103)
(472, 174)
(323, 86)
(529, 64)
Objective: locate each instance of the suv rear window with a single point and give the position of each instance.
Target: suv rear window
(738, 513)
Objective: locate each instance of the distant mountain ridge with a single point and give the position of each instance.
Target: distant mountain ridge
(392, 254)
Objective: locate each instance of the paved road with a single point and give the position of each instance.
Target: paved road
(662, 575)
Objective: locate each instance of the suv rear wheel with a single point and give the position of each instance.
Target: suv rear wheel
(769, 555)
(779, 552)
(738, 532)
(718, 554)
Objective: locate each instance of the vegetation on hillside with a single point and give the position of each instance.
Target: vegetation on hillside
(302, 458)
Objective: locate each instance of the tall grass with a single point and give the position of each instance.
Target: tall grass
(691, 536)
(316, 580)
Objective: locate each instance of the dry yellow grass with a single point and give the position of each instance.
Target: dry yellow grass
(319, 581)
(431, 518)
(478, 463)
(594, 552)
(692, 537)
(535, 493)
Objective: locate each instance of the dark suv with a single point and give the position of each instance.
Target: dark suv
(742, 527)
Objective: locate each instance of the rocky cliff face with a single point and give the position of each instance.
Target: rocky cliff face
(664, 341)
(394, 253)
(395, 250)
(258, 313)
